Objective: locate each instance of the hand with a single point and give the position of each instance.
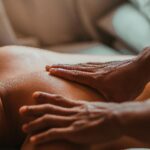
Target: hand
(75, 121)
(115, 81)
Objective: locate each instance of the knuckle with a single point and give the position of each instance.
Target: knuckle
(95, 76)
(74, 110)
(55, 132)
(60, 99)
(57, 97)
(47, 107)
(50, 109)
(30, 109)
(79, 124)
(46, 134)
(54, 95)
(73, 74)
(84, 110)
(84, 107)
(76, 73)
(50, 131)
(94, 69)
(30, 126)
(46, 118)
(72, 118)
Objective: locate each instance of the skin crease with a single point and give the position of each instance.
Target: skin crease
(22, 74)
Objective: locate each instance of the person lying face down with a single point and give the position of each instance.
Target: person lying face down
(94, 122)
(22, 73)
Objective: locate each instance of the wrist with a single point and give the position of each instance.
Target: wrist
(144, 56)
(133, 117)
(116, 112)
(125, 117)
(143, 63)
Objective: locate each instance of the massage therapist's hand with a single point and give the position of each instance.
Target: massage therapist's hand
(115, 81)
(75, 121)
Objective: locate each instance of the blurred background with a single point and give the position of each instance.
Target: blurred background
(96, 27)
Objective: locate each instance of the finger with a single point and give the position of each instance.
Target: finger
(39, 110)
(50, 135)
(65, 66)
(73, 75)
(105, 64)
(47, 67)
(47, 121)
(98, 66)
(42, 97)
(78, 67)
(94, 63)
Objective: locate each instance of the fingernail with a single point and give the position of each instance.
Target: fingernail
(47, 67)
(23, 109)
(24, 127)
(36, 95)
(33, 139)
(52, 70)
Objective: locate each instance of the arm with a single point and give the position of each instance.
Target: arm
(135, 120)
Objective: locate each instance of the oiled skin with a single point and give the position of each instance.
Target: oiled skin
(22, 73)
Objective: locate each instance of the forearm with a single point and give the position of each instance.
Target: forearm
(135, 120)
(141, 73)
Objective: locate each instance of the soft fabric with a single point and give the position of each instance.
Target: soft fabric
(91, 48)
(57, 22)
(132, 26)
(7, 35)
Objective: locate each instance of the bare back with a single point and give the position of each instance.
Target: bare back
(22, 73)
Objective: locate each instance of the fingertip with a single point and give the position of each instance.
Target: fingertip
(47, 67)
(36, 95)
(33, 139)
(53, 70)
(24, 128)
(57, 71)
(40, 95)
(23, 109)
